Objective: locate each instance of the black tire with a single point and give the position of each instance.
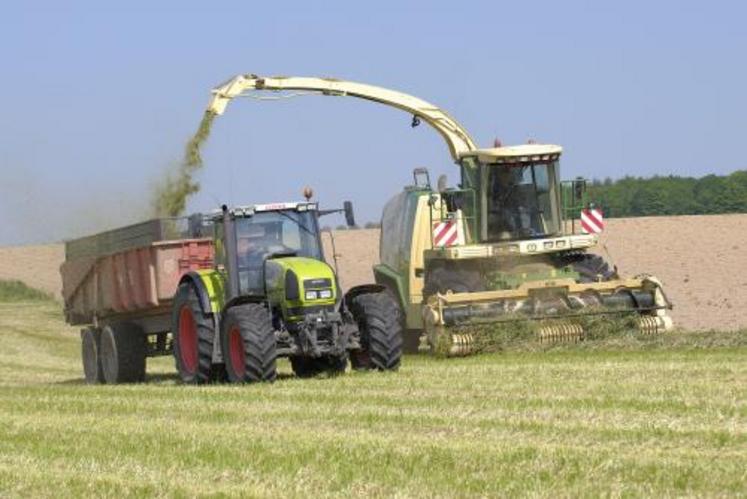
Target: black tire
(90, 341)
(193, 332)
(123, 351)
(592, 267)
(442, 279)
(379, 320)
(249, 344)
(307, 367)
(411, 340)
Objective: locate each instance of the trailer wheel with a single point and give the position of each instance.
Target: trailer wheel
(380, 323)
(123, 352)
(307, 367)
(90, 341)
(249, 345)
(193, 332)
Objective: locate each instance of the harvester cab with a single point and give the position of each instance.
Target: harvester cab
(271, 294)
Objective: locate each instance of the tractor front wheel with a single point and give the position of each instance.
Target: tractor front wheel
(249, 345)
(379, 320)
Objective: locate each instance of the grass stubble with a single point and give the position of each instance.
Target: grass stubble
(668, 419)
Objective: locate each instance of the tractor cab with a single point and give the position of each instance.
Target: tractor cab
(262, 233)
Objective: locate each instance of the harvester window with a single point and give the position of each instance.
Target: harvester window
(520, 202)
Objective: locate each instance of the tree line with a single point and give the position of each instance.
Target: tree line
(671, 195)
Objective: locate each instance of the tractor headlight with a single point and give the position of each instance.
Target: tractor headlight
(311, 295)
(325, 294)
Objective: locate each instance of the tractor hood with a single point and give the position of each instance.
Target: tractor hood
(298, 284)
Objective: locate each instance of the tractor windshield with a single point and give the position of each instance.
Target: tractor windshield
(521, 201)
(273, 233)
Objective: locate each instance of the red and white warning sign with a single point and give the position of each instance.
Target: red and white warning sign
(445, 233)
(592, 221)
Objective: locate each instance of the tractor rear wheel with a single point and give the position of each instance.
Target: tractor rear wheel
(123, 351)
(379, 320)
(307, 367)
(249, 345)
(193, 332)
(90, 341)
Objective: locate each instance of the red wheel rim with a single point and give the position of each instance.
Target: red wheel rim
(187, 340)
(236, 351)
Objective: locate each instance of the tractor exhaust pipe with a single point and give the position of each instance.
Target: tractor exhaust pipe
(232, 257)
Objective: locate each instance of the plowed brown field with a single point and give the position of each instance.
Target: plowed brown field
(702, 261)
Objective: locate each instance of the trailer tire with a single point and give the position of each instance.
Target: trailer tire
(123, 352)
(193, 332)
(307, 367)
(379, 320)
(249, 344)
(90, 345)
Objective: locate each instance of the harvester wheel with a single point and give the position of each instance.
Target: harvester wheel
(593, 267)
(380, 323)
(193, 332)
(249, 344)
(306, 367)
(90, 340)
(123, 351)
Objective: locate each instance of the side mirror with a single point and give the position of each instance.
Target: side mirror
(349, 216)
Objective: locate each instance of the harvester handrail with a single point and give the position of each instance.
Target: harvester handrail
(456, 137)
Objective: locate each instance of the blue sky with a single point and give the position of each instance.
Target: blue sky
(99, 98)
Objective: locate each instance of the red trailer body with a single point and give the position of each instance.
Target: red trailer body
(135, 284)
(120, 286)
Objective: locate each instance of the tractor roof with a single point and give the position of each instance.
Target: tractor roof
(248, 210)
(514, 154)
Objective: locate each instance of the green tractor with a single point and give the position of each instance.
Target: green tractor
(270, 294)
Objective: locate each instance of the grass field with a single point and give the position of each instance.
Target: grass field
(663, 421)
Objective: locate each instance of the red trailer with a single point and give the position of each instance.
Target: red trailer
(120, 284)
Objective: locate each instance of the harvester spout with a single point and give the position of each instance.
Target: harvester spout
(456, 137)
